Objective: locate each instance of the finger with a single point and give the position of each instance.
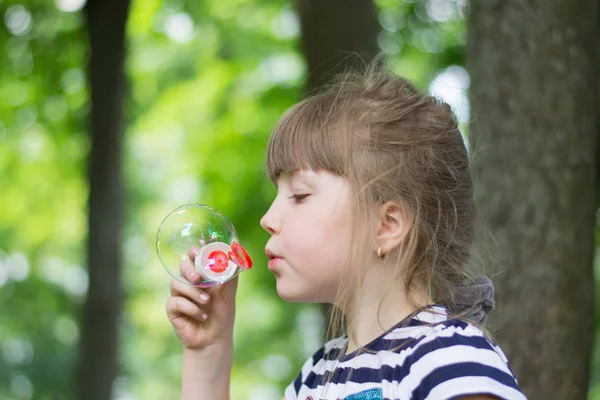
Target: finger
(193, 252)
(177, 306)
(193, 293)
(188, 271)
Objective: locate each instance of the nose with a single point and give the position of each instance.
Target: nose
(270, 222)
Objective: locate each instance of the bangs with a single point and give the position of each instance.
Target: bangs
(308, 136)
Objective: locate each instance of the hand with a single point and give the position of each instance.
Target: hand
(201, 318)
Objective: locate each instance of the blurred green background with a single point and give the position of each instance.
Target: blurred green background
(207, 81)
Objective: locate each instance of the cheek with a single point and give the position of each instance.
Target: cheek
(322, 244)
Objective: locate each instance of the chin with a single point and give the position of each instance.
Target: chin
(294, 294)
(288, 295)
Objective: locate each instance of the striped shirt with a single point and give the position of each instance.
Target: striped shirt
(426, 356)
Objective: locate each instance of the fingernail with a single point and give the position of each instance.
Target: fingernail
(192, 275)
(204, 298)
(204, 316)
(196, 251)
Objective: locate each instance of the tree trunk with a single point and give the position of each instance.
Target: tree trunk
(534, 86)
(332, 31)
(98, 355)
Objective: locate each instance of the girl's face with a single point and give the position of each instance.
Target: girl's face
(309, 223)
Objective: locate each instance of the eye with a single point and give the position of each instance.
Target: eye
(298, 198)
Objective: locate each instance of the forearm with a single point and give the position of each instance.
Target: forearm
(207, 373)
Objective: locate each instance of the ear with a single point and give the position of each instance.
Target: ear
(394, 224)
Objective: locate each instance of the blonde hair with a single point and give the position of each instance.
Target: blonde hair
(392, 142)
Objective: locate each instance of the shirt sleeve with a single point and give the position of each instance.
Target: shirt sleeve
(290, 391)
(456, 362)
(293, 389)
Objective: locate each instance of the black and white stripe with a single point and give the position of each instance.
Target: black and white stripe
(426, 357)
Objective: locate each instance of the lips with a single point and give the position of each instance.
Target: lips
(273, 259)
(270, 254)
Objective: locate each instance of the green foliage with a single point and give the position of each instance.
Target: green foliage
(43, 105)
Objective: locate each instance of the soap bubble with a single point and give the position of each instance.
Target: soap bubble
(197, 226)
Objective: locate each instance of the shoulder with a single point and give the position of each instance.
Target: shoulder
(455, 358)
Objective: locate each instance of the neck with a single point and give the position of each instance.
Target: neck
(380, 305)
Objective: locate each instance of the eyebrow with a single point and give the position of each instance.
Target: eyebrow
(306, 181)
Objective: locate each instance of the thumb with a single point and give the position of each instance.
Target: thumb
(228, 290)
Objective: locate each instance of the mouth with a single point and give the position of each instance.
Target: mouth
(274, 259)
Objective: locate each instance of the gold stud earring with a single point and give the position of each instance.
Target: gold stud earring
(379, 255)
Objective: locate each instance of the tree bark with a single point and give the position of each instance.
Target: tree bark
(332, 31)
(98, 352)
(533, 95)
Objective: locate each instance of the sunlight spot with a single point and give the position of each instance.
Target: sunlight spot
(51, 269)
(121, 389)
(73, 80)
(441, 10)
(55, 108)
(18, 20)
(250, 82)
(390, 21)
(136, 250)
(184, 189)
(21, 386)
(34, 143)
(179, 27)
(461, 6)
(73, 279)
(282, 68)
(3, 269)
(17, 266)
(76, 280)
(70, 5)
(452, 85)
(390, 43)
(65, 330)
(17, 351)
(286, 25)
(276, 367)
(265, 391)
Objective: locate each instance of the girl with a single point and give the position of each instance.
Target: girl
(374, 214)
